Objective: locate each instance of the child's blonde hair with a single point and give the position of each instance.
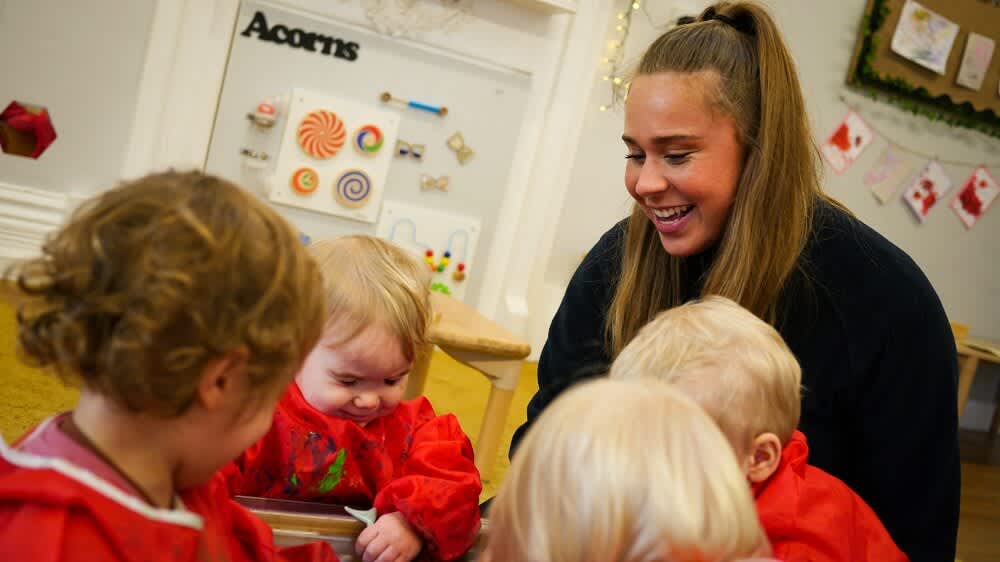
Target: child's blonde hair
(369, 280)
(625, 472)
(731, 362)
(150, 280)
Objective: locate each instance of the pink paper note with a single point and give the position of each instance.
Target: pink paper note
(975, 61)
(887, 174)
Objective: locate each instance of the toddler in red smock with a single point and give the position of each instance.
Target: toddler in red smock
(740, 371)
(342, 433)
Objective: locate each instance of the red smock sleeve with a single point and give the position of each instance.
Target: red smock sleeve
(437, 486)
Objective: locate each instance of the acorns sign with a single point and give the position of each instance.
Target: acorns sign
(301, 39)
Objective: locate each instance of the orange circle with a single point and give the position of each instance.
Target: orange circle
(305, 180)
(321, 134)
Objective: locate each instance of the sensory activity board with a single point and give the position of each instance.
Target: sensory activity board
(445, 242)
(334, 156)
(449, 128)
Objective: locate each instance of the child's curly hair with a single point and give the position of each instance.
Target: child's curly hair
(152, 279)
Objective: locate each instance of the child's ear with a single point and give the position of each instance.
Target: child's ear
(765, 456)
(223, 379)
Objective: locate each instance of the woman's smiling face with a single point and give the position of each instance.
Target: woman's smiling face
(684, 158)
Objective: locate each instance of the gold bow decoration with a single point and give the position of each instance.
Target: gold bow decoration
(430, 182)
(462, 151)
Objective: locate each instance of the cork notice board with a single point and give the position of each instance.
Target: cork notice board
(877, 68)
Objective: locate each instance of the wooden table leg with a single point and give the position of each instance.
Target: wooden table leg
(504, 375)
(418, 374)
(494, 420)
(966, 374)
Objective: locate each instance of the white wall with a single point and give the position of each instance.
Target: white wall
(162, 65)
(83, 61)
(962, 265)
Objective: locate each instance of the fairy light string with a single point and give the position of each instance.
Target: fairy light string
(615, 55)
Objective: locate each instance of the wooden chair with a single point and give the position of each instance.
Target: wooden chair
(479, 343)
(970, 353)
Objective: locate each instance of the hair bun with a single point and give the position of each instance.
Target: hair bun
(742, 21)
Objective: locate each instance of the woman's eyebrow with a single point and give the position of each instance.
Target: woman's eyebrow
(665, 139)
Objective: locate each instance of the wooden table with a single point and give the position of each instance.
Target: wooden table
(475, 341)
(968, 361)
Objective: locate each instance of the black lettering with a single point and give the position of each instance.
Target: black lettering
(299, 38)
(346, 50)
(259, 24)
(309, 41)
(340, 48)
(283, 38)
(351, 50)
(327, 43)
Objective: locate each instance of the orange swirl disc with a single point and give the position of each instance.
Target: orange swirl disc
(321, 134)
(305, 180)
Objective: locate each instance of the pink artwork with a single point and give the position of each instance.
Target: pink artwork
(927, 189)
(887, 175)
(975, 61)
(975, 197)
(847, 142)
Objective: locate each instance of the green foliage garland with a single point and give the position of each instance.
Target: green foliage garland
(916, 100)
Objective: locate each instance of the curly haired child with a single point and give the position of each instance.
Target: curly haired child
(182, 306)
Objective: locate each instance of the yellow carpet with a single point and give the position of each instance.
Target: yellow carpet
(27, 395)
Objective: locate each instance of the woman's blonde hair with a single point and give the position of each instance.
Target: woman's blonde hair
(732, 363)
(150, 280)
(772, 213)
(625, 472)
(369, 280)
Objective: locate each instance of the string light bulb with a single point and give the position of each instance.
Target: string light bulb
(616, 51)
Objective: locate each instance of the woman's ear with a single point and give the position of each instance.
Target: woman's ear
(223, 380)
(765, 457)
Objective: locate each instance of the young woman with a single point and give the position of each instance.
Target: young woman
(724, 173)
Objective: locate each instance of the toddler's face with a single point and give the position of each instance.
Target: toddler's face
(360, 380)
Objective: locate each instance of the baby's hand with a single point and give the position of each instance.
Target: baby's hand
(390, 539)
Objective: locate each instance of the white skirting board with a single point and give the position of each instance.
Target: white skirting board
(27, 216)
